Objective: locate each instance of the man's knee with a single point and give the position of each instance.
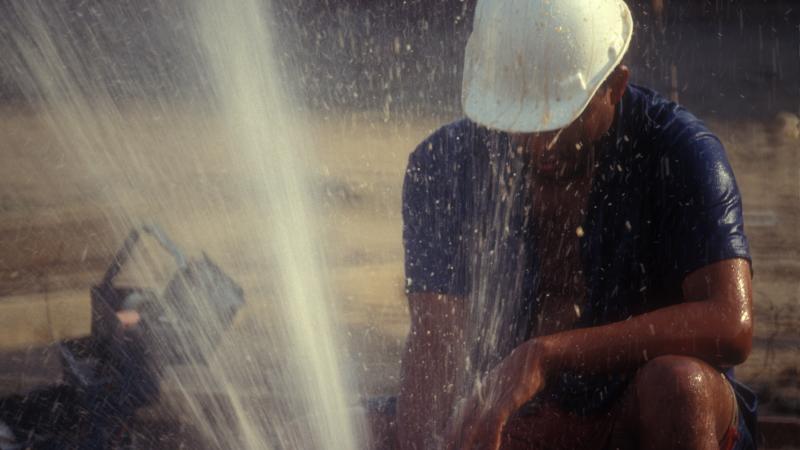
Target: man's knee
(675, 379)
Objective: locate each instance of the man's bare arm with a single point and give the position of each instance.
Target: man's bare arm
(433, 356)
(714, 324)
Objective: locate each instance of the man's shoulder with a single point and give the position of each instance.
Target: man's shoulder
(448, 142)
(663, 121)
(437, 164)
(670, 142)
(689, 163)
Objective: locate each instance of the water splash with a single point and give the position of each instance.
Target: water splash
(254, 102)
(127, 138)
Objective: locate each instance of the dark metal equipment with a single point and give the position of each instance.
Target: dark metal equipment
(114, 371)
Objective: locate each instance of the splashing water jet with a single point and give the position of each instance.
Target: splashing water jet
(251, 97)
(295, 395)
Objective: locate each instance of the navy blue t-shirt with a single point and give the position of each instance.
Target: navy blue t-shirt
(663, 203)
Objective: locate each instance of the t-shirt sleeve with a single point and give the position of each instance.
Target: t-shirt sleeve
(430, 230)
(705, 207)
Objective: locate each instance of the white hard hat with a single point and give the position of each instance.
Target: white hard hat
(534, 65)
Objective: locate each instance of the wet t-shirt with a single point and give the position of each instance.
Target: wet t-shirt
(663, 202)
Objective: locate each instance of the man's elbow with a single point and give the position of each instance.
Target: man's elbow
(739, 341)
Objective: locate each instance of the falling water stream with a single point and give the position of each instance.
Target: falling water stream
(251, 95)
(278, 381)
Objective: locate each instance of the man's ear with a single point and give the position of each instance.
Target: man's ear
(618, 83)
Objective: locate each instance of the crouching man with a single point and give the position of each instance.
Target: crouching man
(578, 273)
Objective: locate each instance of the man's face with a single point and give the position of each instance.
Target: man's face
(563, 155)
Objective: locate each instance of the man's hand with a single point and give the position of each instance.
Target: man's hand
(478, 421)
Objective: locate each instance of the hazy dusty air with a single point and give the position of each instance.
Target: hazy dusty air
(273, 136)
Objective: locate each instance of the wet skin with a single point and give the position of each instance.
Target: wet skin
(678, 398)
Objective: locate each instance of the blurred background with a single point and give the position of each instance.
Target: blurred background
(371, 79)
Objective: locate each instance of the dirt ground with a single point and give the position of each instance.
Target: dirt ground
(62, 215)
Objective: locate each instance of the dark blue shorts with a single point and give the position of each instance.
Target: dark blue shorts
(747, 404)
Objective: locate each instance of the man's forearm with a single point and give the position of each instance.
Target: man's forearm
(428, 377)
(432, 361)
(683, 329)
(716, 330)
